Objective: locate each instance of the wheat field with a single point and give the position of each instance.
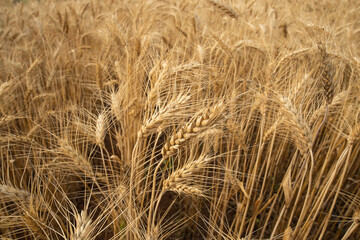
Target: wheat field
(170, 119)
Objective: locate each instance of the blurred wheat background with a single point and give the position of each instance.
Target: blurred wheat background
(186, 119)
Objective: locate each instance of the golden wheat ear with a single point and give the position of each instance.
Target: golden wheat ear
(293, 119)
(83, 226)
(173, 108)
(179, 181)
(206, 119)
(224, 8)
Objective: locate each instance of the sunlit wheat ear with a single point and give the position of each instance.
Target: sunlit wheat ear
(116, 107)
(101, 127)
(79, 159)
(294, 121)
(173, 108)
(284, 61)
(224, 8)
(203, 121)
(201, 53)
(82, 230)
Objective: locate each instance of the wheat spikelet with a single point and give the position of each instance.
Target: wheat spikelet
(271, 130)
(101, 127)
(201, 53)
(237, 131)
(192, 128)
(300, 130)
(292, 55)
(34, 225)
(65, 25)
(196, 24)
(12, 194)
(182, 188)
(239, 185)
(34, 222)
(6, 86)
(116, 105)
(326, 75)
(287, 187)
(83, 226)
(223, 46)
(224, 8)
(179, 180)
(8, 119)
(250, 46)
(78, 158)
(171, 109)
(314, 29)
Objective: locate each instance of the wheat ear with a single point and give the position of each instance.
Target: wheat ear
(192, 128)
(101, 126)
(224, 8)
(116, 105)
(326, 75)
(158, 118)
(178, 180)
(13, 194)
(82, 230)
(302, 133)
(78, 158)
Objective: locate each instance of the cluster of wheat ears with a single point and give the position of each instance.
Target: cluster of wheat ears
(173, 119)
